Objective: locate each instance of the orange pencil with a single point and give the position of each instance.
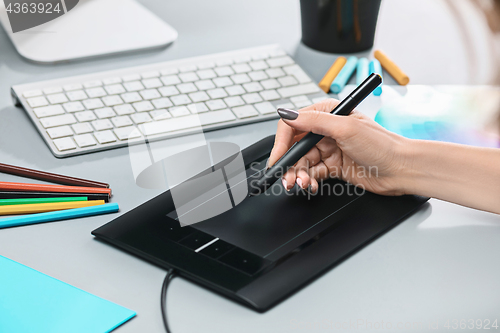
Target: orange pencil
(26, 187)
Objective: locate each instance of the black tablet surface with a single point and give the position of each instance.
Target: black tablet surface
(263, 248)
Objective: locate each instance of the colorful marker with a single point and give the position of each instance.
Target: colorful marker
(377, 69)
(344, 75)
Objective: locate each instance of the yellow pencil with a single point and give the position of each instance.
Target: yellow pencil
(392, 68)
(332, 73)
(46, 207)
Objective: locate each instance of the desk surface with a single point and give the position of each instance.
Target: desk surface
(441, 264)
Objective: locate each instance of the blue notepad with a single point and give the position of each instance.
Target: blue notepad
(34, 302)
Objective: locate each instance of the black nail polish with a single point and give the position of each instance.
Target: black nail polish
(288, 114)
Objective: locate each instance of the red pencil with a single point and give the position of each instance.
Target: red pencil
(26, 187)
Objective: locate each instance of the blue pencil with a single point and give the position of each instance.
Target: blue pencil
(345, 74)
(377, 69)
(362, 70)
(58, 215)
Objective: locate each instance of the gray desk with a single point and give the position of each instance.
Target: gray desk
(441, 264)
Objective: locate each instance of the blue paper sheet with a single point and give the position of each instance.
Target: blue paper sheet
(34, 302)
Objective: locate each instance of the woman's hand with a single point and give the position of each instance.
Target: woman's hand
(355, 149)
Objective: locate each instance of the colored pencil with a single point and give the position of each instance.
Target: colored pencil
(50, 177)
(331, 74)
(392, 68)
(15, 221)
(8, 186)
(27, 201)
(23, 195)
(46, 207)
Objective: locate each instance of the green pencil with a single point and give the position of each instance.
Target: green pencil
(5, 202)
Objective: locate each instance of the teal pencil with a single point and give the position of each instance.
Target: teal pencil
(362, 71)
(345, 74)
(377, 69)
(58, 215)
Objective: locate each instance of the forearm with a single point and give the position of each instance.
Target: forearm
(465, 175)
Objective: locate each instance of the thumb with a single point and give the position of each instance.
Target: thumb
(318, 122)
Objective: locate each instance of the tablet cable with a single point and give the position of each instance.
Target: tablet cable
(163, 301)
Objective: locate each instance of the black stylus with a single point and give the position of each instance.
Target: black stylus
(300, 148)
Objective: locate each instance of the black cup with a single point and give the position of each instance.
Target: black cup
(339, 26)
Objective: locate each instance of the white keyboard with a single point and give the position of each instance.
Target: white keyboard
(99, 111)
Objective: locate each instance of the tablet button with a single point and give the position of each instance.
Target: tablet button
(173, 231)
(196, 240)
(217, 249)
(243, 261)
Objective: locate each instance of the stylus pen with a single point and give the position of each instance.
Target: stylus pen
(300, 148)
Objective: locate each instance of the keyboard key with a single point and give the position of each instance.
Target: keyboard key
(150, 74)
(125, 133)
(143, 106)
(206, 65)
(59, 132)
(121, 121)
(270, 84)
(235, 90)
(104, 113)
(150, 94)
(57, 98)
(285, 106)
(180, 100)
(188, 77)
(131, 77)
(169, 71)
(246, 111)
(191, 121)
(269, 95)
(93, 103)
(275, 72)
(265, 108)
(133, 86)
(199, 96)
(187, 68)
(197, 107)
(162, 103)
(160, 114)
(85, 116)
(66, 119)
(216, 104)
(169, 80)
(287, 81)
(302, 89)
(258, 75)
(152, 83)
(64, 144)
(131, 97)
(241, 68)
(52, 90)
(252, 87)
(179, 111)
(92, 84)
(112, 100)
(168, 91)
(37, 101)
(105, 137)
(224, 71)
(140, 118)
(46, 111)
(297, 73)
(101, 125)
(234, 101)
(76, 95)
(297, 99)
(206, 74)
(32, 93)
(280, 61)
(186, 88)
(252, 98)
(240, 78)
(73, 107)
(85, 140)
(204, 84)
(223, 82)
(96, 92)
(124, 109)
(74, 86)
(217, 93)
(115, 89)
(258, 65)
(82, 128)
(112, 80)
